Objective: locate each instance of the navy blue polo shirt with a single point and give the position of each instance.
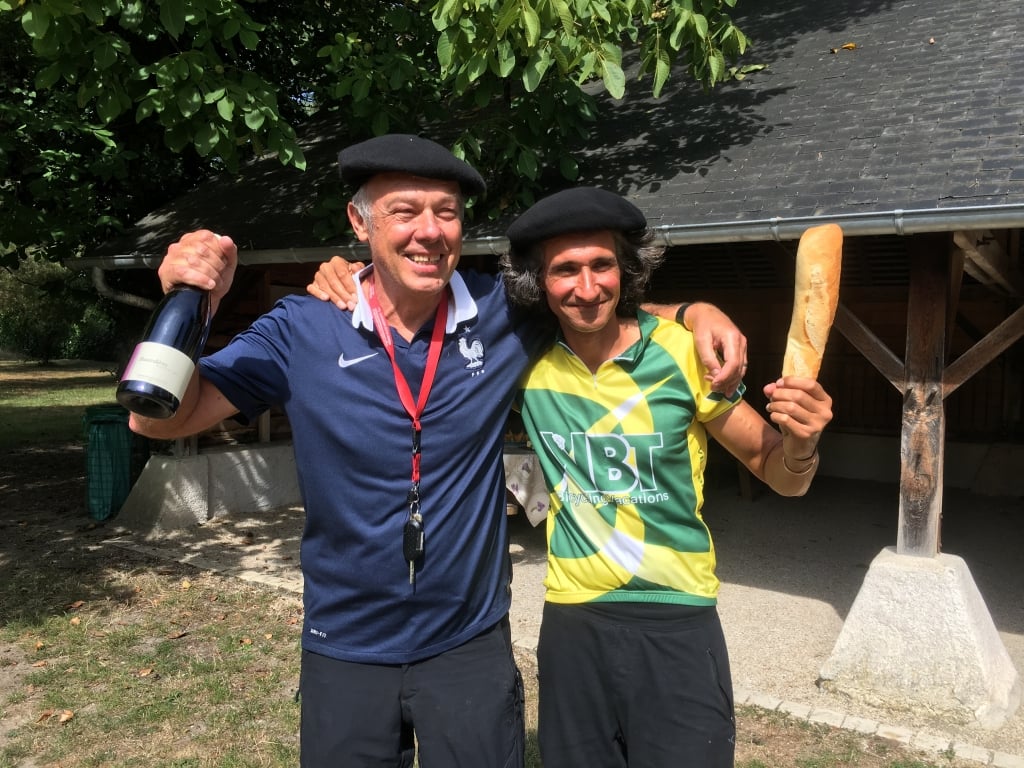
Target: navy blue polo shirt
(353, 439)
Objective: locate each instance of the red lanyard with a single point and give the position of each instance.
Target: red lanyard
(415, 410)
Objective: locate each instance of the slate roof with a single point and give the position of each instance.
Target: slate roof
(923, 121)
(926, 112)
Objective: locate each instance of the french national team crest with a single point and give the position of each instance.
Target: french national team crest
(473, 351)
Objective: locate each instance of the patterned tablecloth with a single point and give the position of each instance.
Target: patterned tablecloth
(525, 481)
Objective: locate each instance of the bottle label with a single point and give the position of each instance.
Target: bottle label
(162, 366)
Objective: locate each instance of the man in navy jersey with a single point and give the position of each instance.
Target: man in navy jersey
(398, 410)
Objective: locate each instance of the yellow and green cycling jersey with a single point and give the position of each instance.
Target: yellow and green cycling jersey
(623, 452)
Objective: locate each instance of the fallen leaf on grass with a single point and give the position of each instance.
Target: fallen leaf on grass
(145, 672)
(186, 584)
(75, 605)
(63, 717)
(246, 641)
(177, 635)
(75, 621)
(42, 663)
(40, 645)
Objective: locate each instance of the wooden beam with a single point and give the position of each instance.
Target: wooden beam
(989, 261)
(922, 440)
(869, 345)
(956, 281)
(984, 352)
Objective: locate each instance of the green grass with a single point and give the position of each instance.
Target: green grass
(46, 404)
(154, 668)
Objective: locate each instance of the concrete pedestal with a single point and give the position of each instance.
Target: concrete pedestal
(178, 492)
(920, 636)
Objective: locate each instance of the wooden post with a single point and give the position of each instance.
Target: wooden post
(922, 440)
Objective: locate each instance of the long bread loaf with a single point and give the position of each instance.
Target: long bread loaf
(816, 296)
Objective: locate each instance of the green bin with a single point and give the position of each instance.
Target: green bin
(108, 457)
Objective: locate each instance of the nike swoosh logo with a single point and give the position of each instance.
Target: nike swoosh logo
(343, 363)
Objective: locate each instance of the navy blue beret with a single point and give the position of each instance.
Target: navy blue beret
(580, 209)
(405, 153)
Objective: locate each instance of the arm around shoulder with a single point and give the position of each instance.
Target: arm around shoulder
(721, 345)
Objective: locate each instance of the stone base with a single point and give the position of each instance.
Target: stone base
(179, 492)
(920, 636)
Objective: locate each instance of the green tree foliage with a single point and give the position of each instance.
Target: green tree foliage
(110, 107)
(48, 312)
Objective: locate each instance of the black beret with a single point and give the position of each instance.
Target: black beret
(580, 209)
(405, 153)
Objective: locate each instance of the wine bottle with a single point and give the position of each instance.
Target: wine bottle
(159, 371)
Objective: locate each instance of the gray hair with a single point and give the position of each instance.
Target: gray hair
(522, 270)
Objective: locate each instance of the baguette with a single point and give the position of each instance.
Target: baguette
(816, 296)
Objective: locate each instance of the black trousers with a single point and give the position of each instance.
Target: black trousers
(462, 709)
(638, 685)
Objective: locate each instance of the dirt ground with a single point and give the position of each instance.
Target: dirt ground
(43, 518)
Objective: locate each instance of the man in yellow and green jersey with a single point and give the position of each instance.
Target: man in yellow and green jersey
(633, 663)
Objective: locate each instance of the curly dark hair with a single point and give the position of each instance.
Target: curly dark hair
(522, 267)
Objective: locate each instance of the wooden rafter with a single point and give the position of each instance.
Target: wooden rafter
(988, 262)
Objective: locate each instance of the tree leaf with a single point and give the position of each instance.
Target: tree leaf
(614, 79)
(700, 24)
(226, 109)
(104, 56)
(527, 163)
(48, 76)
(254, 120)
(108, 105)
(36, 21)
(189, 100)
(508, 13)
(445, 48)
(569, 168)
(716, 62)
(206, 139)
(172, 16)
(535, 68)
(661, 71)
(505, 58)
(564, 16)
(531, 24)
(249, 38)
(675, 38)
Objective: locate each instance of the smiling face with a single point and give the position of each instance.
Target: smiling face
(414, 230)
(582, 280)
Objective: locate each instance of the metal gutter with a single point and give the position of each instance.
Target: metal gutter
(895, 222)
(777, 228)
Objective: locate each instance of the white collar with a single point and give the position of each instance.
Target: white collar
(461, 308)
